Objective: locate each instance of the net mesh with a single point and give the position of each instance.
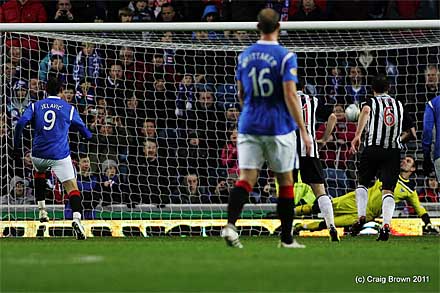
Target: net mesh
(163, 111)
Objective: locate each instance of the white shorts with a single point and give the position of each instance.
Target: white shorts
(279, 151)
(63, 168)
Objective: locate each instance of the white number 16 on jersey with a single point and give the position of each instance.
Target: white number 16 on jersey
(258, 84)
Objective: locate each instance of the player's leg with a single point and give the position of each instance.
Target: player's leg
(367, 172)
(66, 174)
(281, 154)
(312, 174)
(437, 168)
(389, 176)
(40, 166)
(250, 156)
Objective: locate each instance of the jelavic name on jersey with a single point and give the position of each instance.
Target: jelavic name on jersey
(51, 106)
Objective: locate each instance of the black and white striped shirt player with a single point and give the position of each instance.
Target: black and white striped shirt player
(312, 110)
(310, 166)
(384, 116)
(385, 123)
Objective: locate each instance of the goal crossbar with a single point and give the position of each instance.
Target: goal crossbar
(218, 26)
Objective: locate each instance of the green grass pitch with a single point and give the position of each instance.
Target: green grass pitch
(196, 264)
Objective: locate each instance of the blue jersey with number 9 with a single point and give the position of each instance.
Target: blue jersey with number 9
(262, 68)
(51, 119)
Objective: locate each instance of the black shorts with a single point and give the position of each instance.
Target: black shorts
(311, 171)
(382, 162)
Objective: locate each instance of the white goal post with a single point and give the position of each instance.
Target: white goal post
(150, 62)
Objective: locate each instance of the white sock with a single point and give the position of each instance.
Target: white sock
(77, 215)
(41, 204)
(361, 200)
(326, 207)
(388, 205)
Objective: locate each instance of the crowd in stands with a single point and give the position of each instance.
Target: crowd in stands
(164, 122)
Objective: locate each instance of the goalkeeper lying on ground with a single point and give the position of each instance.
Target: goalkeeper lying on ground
(345, 210)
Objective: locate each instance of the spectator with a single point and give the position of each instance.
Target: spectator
(169, 54)
(19, 101)
(87, 63)
(431, 88)
(142, 12)
(68, 94)
(11, 75)
(134, 116)
(190, 191)
(114, 88)
(336, 152)
(35, 91)
(111, 183)
(308, 11)
(185, 98)
(20, 193)
(431, 191)
(64, 12)
(334, 86)
(232, 114)
(355, 89)
(58, 69)
(57, 49)
(150, 176)
(85, 94)
(133, 71)
(210, 14)
(157, 69)
(23, 11)
(194, 158)
(168, 14)
(223, 188)
(229, 159)
(125, 15)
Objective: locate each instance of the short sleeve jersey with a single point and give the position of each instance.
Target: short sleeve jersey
(262, 68)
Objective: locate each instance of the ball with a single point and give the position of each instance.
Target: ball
(352, 112)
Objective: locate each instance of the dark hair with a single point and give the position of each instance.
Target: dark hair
(56, 57)
(268, 20)
(380, 83)
(53, 86)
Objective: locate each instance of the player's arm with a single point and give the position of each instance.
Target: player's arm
(330, 125)
(362, 122)
(21, 124)
(294, 106)
(240, 92)
(413, 200)
(79, 125)
(409, 130)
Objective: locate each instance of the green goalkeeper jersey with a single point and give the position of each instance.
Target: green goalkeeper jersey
(403, 191)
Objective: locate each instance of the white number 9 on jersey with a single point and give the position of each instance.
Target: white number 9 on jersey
(49, 117)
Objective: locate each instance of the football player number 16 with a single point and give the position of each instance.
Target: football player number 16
(49, 118)
(262, 87)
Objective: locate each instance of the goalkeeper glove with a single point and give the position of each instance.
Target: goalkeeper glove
(430, 229)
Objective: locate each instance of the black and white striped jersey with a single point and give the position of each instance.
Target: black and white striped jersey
(384, 126)
(311, 110)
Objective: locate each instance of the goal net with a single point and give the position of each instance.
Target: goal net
(163, 109)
